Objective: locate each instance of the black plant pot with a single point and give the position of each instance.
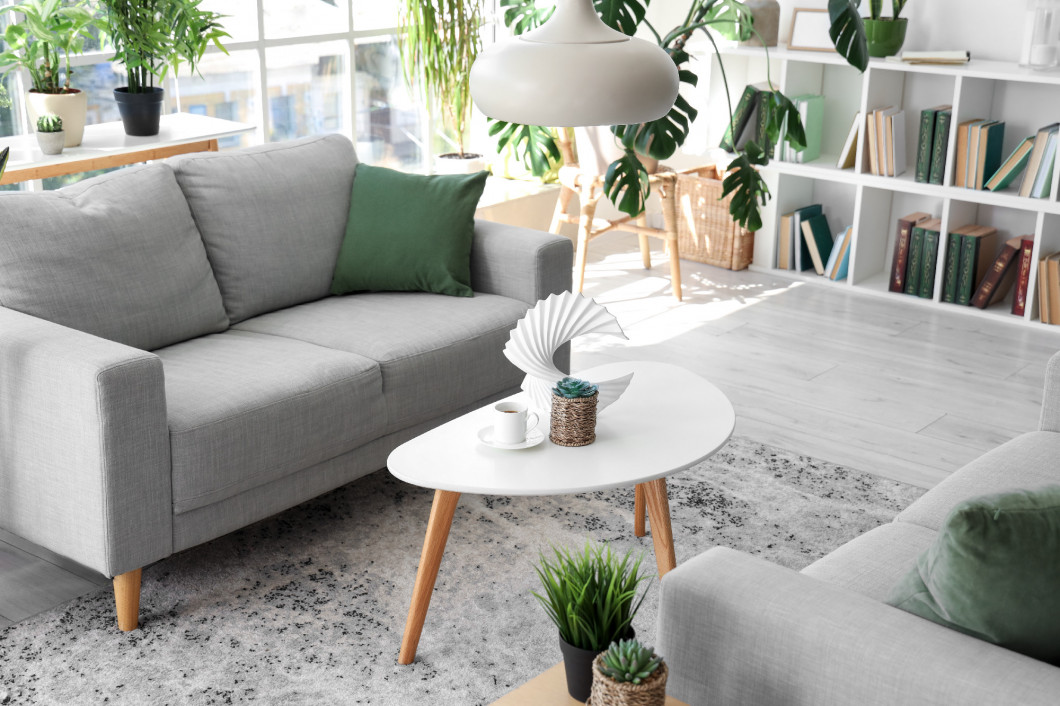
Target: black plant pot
(140, 112)
(578, 666)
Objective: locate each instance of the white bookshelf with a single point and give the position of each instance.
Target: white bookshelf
(1025, 99)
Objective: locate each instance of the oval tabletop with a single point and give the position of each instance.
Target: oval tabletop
(669, 419)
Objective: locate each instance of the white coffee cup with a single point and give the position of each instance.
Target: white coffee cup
(511, 422)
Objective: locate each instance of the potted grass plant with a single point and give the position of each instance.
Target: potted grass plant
(885, 35)
(629, 674)
(439, 41)
(591, 597)
(41, 42)
(150, 38)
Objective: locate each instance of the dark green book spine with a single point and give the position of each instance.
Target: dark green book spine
(762, 126)
(969, 269)
(740, 116)
(942, 140)
(912, 270)
(925, 143)
(953, 261)
(928, 262)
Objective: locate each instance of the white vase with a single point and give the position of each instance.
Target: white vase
(71, 107)
(51, 142)
(453, 163)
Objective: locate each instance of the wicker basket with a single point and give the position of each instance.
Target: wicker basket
(573, 421)
(705, 230)
(607, 692)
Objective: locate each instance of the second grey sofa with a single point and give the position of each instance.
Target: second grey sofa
(173, 368)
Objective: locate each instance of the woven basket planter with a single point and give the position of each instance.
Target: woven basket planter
(573, 421)
(705, 230)
(607, 692)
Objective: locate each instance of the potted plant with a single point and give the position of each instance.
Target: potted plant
(41, 43)
(573, 419)
(884, 35)
(50, 136)
(591, 597)
(439, 40)
(629, 673)
(149, 38)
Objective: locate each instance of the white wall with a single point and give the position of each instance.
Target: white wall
(990, 29)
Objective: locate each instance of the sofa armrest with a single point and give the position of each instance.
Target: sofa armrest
(84, 445)
(519, 263)
(1050, 419)
(735, 629)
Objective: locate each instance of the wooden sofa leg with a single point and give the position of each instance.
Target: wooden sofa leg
(127, 599)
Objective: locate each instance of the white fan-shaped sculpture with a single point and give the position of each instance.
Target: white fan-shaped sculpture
(546, 327)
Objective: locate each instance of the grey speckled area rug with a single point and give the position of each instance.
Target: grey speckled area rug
(309, 606)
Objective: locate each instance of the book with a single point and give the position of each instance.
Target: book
(1035, 161)
(974, 133)
(940, 150)
(841, 263)
(901, 249)
(988, 157)
(870, 143)
(881, 116)
(837, 243)
(925, 142)
(1044, 315)
(1023, 275)
(741, 115)
(811, 110)
(848, 154)
(949, 271)
(929, 262)
(802, 251)
(761, 120)
(818, 239)
(914, 268)
(784, 254)
(973, 266)
(999, 278)
(894, 125)
(1043, 183)
(1011, 167)
(962, 150)
(947, 56)
(1053, 277)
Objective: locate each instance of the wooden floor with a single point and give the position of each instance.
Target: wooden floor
(881, 384)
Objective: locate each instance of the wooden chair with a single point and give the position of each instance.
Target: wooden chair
(589, 188)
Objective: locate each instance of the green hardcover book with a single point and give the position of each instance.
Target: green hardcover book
(761, 123)
(953, 263)
(1011, 167)
(969, 269)
(818, 237)
(811, 112)
(928, 264)
(940, 149)
(991, 138)
(741, 116)
(803, 261)
(915, 267)
(925, 143)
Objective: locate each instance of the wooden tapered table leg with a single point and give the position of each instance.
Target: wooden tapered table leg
(430, 559)
(661, 533)
(638, 511)
(127, 599)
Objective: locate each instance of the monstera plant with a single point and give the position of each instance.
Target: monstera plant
(626, 181)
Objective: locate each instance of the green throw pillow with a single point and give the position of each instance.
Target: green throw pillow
(409, 233)
(994, 573)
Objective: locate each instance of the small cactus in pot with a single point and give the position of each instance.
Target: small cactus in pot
(628, 673)
(50, 135)
(573, 421)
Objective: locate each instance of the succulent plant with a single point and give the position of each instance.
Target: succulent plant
(49, 123)
(629, 661)
(573, 388)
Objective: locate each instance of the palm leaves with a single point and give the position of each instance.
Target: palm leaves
(848, 32)
(534, 146)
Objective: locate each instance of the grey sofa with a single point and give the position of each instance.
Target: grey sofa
(735, 629)
(173, 368)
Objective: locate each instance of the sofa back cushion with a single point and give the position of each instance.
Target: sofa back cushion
(117, 256)
(272, 218)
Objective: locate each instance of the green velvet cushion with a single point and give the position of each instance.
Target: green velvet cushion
(409, 232)
(994, 573)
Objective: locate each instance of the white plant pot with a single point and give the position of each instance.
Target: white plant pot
(598, 147)
(71, 107)
(453, 163)
(51, 142)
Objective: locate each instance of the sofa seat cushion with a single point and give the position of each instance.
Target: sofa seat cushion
(1027, 462)
(245, 409)
(874, 562)
(437, 353)
(272, 217)
(117, 256)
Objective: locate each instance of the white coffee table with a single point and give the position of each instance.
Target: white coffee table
(668, 419)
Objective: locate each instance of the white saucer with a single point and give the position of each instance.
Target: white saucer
(533, 437)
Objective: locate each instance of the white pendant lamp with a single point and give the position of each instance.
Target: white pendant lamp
(574, 71)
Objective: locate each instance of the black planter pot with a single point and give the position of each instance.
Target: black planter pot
(578, 666)
(140, 112)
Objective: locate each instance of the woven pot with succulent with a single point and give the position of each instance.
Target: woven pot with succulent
(573, 421)
(50, 135)
(628, 674)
